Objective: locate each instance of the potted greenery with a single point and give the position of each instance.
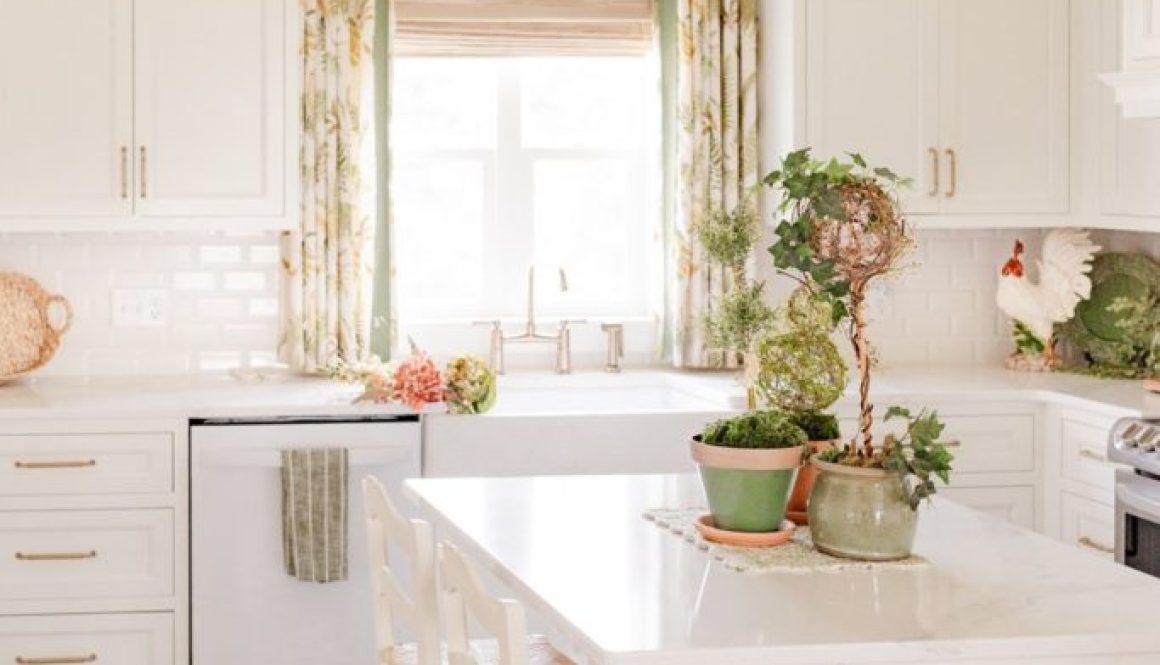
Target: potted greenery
(741, 316)
(747, 465)
(801, 372)
(842, 228)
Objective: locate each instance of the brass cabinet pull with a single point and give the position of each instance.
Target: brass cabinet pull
(62, 660)
(934, 183)
(1084, 541)
(954, 172)
(56, 556)
(61, 464)
(124, 172)
(1084, 452)
(953, 443)
(144, 171)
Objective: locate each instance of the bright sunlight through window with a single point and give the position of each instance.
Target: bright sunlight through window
(501, 163)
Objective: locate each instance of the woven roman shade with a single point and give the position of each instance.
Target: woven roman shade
(522, 27)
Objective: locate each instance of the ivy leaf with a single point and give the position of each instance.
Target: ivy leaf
(857, 159)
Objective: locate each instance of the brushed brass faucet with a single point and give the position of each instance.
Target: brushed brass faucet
(531, 333)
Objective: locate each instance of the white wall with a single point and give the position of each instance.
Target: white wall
(221, 288)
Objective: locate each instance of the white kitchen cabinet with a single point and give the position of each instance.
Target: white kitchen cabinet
(65, 109)
(1088, 525)
(968, 97)
(872, 87)
(155, 114)
(1011, 504)
(209, 107)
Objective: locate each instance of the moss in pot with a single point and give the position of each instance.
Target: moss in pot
(822, 432)
(748, 465)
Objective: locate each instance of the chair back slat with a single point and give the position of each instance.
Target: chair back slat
(465, 596)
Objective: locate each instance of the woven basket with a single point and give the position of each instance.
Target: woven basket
(27, 330)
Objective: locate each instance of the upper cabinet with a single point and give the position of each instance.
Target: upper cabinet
(65, 109)
(148, 114)
(1136, 76)
(968, 97)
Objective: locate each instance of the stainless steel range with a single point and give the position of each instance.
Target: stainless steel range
(1136, 443)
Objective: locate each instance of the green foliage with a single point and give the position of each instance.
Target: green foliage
(812, 191)
(741, 317)
(1025, 340)
(756, 429)
(818, 426)
(1140, 321)
(917, 457)
(728, 237)
(800, 370)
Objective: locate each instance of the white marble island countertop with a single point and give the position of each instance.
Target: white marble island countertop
(614, 589)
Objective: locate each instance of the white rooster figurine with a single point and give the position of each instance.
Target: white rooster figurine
(1036, 308)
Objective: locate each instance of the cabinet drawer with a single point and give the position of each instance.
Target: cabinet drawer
(1087, 524)
(980, 444)
(86, 554)
(112, 639)
(1083, 452)
(75, 464)
(1010, 504)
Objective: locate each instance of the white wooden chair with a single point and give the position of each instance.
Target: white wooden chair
(464, 596)
(419, 610)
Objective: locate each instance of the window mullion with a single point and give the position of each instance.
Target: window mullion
(514, 236)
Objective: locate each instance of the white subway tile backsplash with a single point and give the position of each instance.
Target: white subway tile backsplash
(222, 292)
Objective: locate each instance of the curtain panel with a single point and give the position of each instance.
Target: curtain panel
(328, 261)
(716, 155)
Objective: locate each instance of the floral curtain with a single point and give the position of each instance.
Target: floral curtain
(717, 158)
(328, 260)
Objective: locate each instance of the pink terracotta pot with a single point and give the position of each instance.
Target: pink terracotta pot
(799, 500)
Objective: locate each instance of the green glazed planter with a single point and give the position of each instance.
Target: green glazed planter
(860, 513)
(747, 488)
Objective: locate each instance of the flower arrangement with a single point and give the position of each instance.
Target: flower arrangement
(466, 385)
(469, 385)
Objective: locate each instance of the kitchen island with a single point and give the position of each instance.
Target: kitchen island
(611, 588)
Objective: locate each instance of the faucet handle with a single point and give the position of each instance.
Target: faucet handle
(495, 324)
(564, 323)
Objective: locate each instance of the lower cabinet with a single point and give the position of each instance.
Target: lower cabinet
(118, 639)
(1012, 504)
(1087, 524)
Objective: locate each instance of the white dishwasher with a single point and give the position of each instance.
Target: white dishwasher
(245, 609)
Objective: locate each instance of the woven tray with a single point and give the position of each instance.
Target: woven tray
(27, 327)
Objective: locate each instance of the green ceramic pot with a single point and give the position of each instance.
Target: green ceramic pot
(747, 488)
(860, 513)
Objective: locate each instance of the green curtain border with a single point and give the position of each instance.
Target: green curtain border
(381, 342)
(666, 17)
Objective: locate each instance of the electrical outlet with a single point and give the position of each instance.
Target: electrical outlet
(140, 308)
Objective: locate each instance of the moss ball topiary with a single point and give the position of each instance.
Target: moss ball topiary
(759, 429)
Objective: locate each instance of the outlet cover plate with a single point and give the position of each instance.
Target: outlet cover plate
(140, 308)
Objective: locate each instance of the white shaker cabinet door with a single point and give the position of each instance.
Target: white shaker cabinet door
(1004, 106)
(65, 109)
(210, 111)
(872, 87)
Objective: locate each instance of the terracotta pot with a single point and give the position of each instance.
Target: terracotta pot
(860, 513)
(800, 498)
(747, 488)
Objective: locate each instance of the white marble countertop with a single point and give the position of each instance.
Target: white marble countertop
(223, 395)
(614, 589)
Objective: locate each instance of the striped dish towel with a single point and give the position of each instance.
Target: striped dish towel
(314, 528)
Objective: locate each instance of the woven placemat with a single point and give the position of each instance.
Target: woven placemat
(796, 556)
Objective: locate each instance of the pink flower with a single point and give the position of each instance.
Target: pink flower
(418, 381)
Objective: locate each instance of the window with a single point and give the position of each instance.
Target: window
(502, 163)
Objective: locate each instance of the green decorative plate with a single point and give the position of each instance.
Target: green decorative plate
(1096, 330)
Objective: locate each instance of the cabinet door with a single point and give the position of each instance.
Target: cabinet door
(872, 87)
(65, 123)
(1003, 100)
(210, 108)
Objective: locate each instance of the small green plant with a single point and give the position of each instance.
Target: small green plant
(757, 429)
(917, 456)
(818, 426)
(742, 316)
(728, 237)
